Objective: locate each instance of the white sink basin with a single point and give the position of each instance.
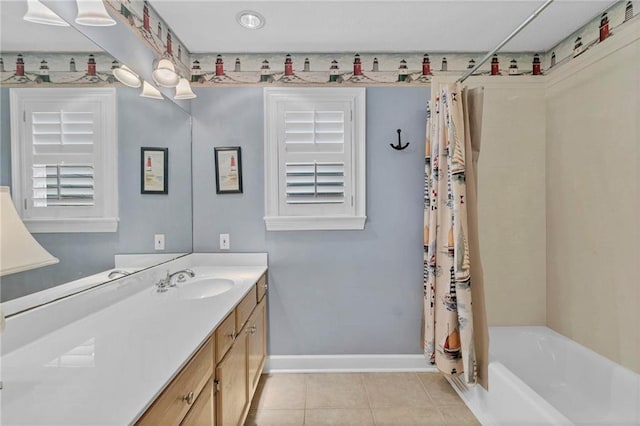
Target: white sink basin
(202, 288)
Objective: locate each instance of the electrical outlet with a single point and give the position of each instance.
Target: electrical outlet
(225, 242)
(158, 241)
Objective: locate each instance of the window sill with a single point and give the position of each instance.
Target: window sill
(314, 223)
(48, 226)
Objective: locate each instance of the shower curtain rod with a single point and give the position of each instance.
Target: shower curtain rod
(505, 41)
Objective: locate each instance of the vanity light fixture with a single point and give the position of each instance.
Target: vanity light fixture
(183, 90)
(165, 74)
(126, 76)
(40, 14)
(250, 19)
(92, 13)
(148, 91)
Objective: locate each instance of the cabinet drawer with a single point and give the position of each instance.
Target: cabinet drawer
(244, 309)
(203, 412)
(261, 286)
(174, 402)
(225, 334)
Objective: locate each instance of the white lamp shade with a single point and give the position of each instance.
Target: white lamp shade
(148, 91)
(165, 74)
(183, 90)
(126, 76)
(92, 13)
(41, 14)
(19, 251)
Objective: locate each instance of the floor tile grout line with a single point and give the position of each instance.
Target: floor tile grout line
(366, 392)
(306, 395)
(424, 387)
(435, 404)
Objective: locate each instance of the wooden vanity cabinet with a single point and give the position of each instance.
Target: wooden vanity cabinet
(238, 374)
(236, 352)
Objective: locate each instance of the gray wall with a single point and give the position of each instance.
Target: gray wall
(331, 292)
(141, 122)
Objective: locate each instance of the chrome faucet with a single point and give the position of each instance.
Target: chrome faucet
(182, 276)
(166, 282)
(115, 272)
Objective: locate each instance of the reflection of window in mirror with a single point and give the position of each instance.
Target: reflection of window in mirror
(64, 159)
(54, 59)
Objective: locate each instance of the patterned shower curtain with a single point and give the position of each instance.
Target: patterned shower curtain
(451, 268)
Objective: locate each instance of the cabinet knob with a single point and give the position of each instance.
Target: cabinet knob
(265, 286)
(189, 398)
(232, 335)
(253, 329)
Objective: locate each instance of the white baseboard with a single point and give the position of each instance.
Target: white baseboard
(346, 363)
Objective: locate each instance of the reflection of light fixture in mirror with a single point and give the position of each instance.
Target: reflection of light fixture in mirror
(164, 73)
(93, 14)
(41, 14)
(183, 90)
(127, 77)
(19, 251)
(148, 91)
(250, 19)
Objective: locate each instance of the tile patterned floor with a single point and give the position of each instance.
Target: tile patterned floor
(359, 399)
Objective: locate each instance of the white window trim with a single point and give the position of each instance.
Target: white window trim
(109, 220)
(276, 222)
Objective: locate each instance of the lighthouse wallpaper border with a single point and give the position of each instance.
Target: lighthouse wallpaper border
(154, 170)
(228, 167)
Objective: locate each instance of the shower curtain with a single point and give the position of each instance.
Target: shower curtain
(455, 327)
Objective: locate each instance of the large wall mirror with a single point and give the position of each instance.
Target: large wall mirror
(141, 122)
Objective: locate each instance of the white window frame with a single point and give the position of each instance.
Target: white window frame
(104, 218)
(356, 216)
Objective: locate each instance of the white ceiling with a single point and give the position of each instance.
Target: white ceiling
(374, 26)
(18, 35)
(332, 26)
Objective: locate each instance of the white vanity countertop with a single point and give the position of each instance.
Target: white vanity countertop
(108, 367)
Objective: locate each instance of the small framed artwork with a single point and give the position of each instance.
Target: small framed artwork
(228, 162)
(154, 170)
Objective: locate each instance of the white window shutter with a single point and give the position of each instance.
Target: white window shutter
(64, 159)
(314, 159)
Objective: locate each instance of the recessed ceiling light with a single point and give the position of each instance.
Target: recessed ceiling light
(250, 19)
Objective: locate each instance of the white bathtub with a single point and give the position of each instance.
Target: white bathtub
(537, 376)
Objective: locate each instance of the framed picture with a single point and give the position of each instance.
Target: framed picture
(228, 170)
(154, 169)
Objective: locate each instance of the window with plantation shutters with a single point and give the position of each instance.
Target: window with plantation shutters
(315, 163)
(64, 159)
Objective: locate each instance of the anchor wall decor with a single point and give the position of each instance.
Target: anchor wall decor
(399, 146)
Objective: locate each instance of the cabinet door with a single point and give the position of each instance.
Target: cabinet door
(203, 411)
(256, 345)
(231, 375)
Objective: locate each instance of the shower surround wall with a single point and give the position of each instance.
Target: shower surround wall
(593, 199)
